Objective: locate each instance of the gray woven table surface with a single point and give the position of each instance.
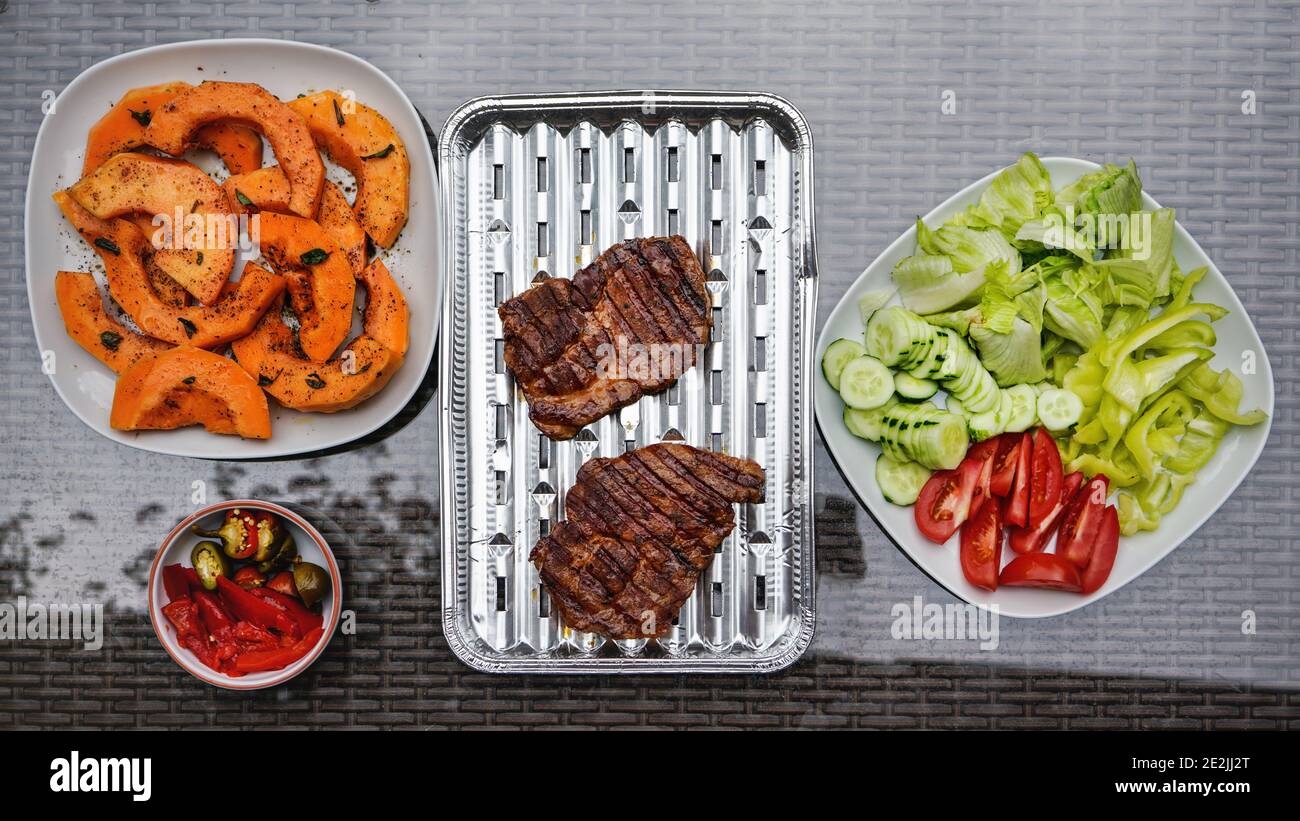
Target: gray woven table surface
(80, 517)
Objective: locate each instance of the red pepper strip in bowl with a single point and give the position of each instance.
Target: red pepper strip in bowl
(179, 581)
(198, 645)
(304, 618)
(245, 606)
(211, 613)
(253, 637)
(181, 613)
(260, 661)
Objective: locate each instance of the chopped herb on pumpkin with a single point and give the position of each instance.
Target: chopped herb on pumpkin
(189, 380)
(379, 155)
(338, 115)
(110, 339)
(108, 245)
(263, 380)
(199, 260)
(314, 257)
(190, 327)
(314, 381)
(142, 117)
(243, 200)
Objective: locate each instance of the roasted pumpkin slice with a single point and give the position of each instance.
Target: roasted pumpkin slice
(90, 326)
(203, 233)
(267, 189)
(190, 386)
(365, 143)
(124, 250)
(168, 290)
(174, 124)
(123, 129)
(386, 318)
(270, 354)
(320, 281)
(342, 225)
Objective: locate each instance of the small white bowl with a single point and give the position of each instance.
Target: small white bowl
(176, 550)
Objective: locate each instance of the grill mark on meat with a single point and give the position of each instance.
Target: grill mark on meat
(639, 284)
(698, 299)
(559, 332)
(637, 534)
(683, 299)
(714, 476)
(641, 481)
(685, 548)
(673, 484)
(698, 488)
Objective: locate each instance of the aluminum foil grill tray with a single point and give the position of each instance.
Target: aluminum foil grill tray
(537, 186)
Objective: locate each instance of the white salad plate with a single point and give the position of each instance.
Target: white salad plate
(286, 69)
(1237, 454)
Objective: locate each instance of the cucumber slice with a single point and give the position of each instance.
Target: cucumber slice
(900, 482)
(922, 433)
(944, 443)
(838, 354)
(984, 396)
(865, 383)
(984, 425)
(1058, 409)
(909, 387)
(892, 334)
(1020, 403)
(954, 405)
(948, 365)
(866, 424)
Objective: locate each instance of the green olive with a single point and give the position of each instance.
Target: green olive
(311, 580)
(209, 562)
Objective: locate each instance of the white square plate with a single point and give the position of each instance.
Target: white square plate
(856, 458)
(286, 69)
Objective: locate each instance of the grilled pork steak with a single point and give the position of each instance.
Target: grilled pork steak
(626, 325)
(638, 531)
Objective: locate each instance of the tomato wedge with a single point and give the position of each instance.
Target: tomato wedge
(1004, 463)
(1017, 512)
(1081, 521)
(1044, 570)
(981, 545)
(983, 450)
(982, 482)
(1045, 476)
(944, 502)
(1103, 552)
(1035, 537)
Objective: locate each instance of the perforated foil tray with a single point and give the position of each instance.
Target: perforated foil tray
(535, 186)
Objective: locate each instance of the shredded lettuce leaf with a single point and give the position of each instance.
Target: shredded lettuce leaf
(927, 283)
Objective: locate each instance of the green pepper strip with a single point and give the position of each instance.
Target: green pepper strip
(1144, 333)
(1138, 437)
(1184, 294)
(1221, 394)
